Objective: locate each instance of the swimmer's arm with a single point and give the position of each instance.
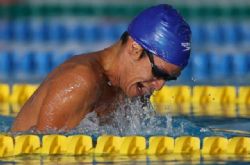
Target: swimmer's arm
(65, 105)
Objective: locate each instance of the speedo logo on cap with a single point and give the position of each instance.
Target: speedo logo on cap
(186, 46)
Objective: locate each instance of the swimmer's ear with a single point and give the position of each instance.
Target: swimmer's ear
(134, 49)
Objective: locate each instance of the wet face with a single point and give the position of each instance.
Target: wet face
(138, 77)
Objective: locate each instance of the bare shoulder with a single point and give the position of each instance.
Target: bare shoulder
(63, 98)
(74, 72)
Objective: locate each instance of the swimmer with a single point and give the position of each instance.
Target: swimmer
(154, 49)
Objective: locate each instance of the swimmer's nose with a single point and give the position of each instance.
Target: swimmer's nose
(158, 84)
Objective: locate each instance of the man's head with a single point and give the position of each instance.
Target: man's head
(157, 43)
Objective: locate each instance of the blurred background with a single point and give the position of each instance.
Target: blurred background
(38, 35)
(213, 91)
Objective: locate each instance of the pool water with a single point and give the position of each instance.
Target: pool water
(37, 37)
(136, 118)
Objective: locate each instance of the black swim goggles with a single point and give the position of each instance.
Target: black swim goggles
(157, 72)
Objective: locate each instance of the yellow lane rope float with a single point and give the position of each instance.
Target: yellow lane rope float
(115, 145)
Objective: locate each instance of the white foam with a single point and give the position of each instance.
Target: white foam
(132, 117)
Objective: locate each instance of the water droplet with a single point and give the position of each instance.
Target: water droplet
(193, 79)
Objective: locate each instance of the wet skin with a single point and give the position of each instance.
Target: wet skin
(90, 82)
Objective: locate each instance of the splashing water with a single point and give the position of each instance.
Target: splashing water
(134, 117)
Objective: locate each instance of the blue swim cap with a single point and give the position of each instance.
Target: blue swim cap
(162, 31)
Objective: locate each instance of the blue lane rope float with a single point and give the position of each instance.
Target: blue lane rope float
(202, 65)
(49, 31)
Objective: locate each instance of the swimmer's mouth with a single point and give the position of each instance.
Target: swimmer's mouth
(139, 88)
(142, 90)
